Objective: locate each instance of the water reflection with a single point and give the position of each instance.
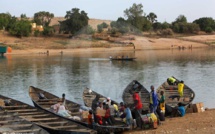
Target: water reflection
(71, 73)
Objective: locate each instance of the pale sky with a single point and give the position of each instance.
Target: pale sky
(166, 10)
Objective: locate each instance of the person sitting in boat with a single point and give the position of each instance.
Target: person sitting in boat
(108, 101)
(90, 119)
(171, 81)
(54, 108)
(62, 111)
(181, 88)
(121, 110)
(94, 106)
(128, 115)
(112, 113)
(107, 116)
(179, 111)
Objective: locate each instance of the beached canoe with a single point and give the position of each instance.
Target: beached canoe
(171, 94)
(50, 122)
(89, 95)
(11, 124)
(127, 95)
(124, 59)
(73, 107)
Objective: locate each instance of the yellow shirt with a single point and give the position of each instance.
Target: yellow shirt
(115, 107)
(180, 88)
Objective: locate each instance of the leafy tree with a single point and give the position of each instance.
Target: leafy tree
(100, 28)
(165, 25)
(157, 26)
(208, 30)
(48, 31)
(180, 19)
(104, 25)
(134, 15)
(21, 28)
(120, 25)
(4, 20)
(43, 18)
(75, 21)
(205, 23)
(23, 16)
(152, 17)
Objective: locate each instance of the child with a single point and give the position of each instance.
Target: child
(128, 115)
(90, 119)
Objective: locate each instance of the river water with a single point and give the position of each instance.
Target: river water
(70, 73)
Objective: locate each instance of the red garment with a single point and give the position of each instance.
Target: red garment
(99, 119)
(90, 119)
(139, 104)
(107, 113)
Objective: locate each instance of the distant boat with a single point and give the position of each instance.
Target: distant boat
(171, 94)
(127, 95)
(122, 58)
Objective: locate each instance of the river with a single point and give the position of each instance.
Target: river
(70, 73)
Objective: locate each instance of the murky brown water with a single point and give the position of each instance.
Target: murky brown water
(71, 73)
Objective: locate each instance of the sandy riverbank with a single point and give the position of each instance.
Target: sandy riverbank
(192, 123)
(57, 44)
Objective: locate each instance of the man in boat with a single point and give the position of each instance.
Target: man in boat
(171, 81)
(181, 88)
(94, 106)
(153, 100)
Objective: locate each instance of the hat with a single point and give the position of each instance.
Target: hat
(108, 98)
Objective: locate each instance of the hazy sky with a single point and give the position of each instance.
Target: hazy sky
(166, 10)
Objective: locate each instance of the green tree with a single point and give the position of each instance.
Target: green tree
(180, 19)
(120, 25)
(104, 25)
(43, 18)
(74, 22)
(152, 17)
(205, 23)
(134, 15)
(157, 26)
(100, 28)
(21, 28)
(4, 20)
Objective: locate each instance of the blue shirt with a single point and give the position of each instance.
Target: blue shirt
(128, 113)
(182, 110)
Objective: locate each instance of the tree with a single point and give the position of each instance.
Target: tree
(134, 15)
(43, 18)
(4, 20)
(74, 22)
(21, 28)
(100, 28)
(180, 18)
(104, 25)
(152, 17)
(205, 23)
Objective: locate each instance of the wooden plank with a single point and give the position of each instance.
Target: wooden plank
(40, 115)
(80, 130)
(32, 113)
(42, 100)
(50, 123)
(22, 110)
(24, 131)
(20, 106)
(75, 113)
(8, 121)
(17, 125)
(42, 119)
(44, 103)
(69, 126)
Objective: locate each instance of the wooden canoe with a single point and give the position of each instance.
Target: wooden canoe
(172, 96)
(11, 123)
(127, 95)
(50, 122)
(73, 108)
(89, 95)
(123, 59)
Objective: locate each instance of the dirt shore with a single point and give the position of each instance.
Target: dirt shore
(192, 123)
(55, 45)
